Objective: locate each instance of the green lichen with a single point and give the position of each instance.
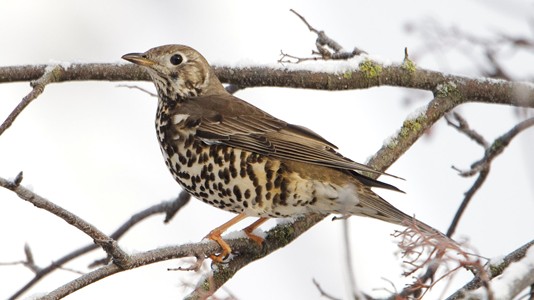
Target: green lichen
(282, 234)
(409, 66)
(447, 90)
(412, 125)
(392, 143)
(370, 69)
(347, 75)
(496, 270)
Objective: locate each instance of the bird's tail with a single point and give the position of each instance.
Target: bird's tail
(374, 206)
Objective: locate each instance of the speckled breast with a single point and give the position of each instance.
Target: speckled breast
(233, 179)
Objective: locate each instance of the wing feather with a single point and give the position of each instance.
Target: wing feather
(249, 128)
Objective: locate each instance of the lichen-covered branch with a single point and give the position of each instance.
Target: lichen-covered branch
(364, 75)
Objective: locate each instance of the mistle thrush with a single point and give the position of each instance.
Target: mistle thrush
(234, 156)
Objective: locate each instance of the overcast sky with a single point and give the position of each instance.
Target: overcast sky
(91, 147)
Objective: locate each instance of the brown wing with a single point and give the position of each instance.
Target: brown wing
(228, 120)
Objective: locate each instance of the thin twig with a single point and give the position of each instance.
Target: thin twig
(482, 166)
(170, 208)
(483, 174)
(348, 260)
(108, 244)
(38, 87)
(138, 88)
(327, 48)
(323, 292)
(463, 127)
(493, 271)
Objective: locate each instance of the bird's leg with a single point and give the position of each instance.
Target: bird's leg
(250, 228)
(215, 235)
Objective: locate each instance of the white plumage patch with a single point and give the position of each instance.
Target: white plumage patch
(177, 119)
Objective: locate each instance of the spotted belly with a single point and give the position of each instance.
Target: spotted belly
(239, 181)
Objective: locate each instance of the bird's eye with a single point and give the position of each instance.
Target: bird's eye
(176, 59)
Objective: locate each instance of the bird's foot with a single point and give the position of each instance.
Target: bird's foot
(226, 250)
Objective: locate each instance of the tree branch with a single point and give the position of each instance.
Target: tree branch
(482, 166)
(463, 89)
(170, 208)
(494, 271)
(48, 76)
(107, 243)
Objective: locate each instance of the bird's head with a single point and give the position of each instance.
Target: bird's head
(178, 71)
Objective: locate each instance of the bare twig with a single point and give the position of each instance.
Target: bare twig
(348, 261)
(327, 48)
(136, 87)
(440, 38)
(482, 166)
(38, 86)
(323, 292)
(98, 236)
(463, 127)
(492, 271)
(170, 208)
(428, 252)
(483, 174)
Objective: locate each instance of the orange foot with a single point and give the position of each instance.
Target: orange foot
(215, 235)
(249, 229)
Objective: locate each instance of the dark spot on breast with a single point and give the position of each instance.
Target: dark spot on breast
(189, 141)
(269, 174)
(183, 175)
(251, 175)
(237, 193)
(278, 181)
(276, 199)
(233, 171)
(226, 174)
(259, 196)
(232, 157)
(247, 194)
(192, 160)
(204, 172)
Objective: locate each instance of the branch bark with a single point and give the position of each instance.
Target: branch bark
(462, 89)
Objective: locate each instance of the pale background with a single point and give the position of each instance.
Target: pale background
(91, 147)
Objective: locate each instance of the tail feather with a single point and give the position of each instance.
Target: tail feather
(374, 206)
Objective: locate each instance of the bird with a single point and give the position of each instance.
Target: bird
(239, 158)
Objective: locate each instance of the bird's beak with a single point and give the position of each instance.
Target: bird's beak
(138, 59)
